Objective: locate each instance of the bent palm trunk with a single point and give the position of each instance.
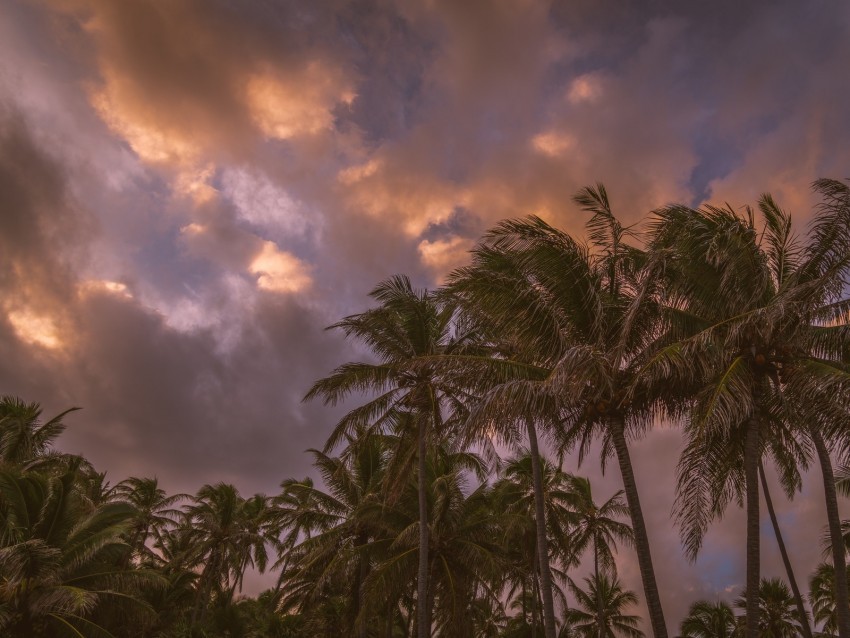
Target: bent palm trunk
(647, 573)
(841, 598)
(549, 627)
(798, 599)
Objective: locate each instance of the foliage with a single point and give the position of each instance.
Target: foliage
(709, 620)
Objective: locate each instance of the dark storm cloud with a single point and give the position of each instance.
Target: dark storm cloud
(35, 217)
(391, 56)
(167, 403)
(38, 218)
(36, 212)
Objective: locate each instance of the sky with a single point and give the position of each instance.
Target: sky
(192, 190)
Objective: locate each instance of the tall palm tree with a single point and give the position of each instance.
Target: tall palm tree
(506, 386)
(763, 327)
(778, 616)
(467, 558)
(709, 620)
(261, 532)
(407, 326)
(568, 313)
(606, 619)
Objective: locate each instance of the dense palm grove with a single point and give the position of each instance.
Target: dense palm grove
(444, 508)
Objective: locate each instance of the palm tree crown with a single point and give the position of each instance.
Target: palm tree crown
(709, 620)
(600, 607)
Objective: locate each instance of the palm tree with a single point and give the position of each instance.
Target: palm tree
(515, 497)
(500, 414)
(407, 326)
(329, 532)
(260, 531)
(763, 326)
(599, 609)
(467, 558)
(596, 526)
(568, 319)
(778, 617)
(822, 598)
(59, 561)
(487, 618)
(711, 473)
(465, 554)
(220, 534)
(155, 513)
(173, 602)
(93, 486)
(24, 441)
(709, 620)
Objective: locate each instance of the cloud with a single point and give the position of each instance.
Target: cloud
(264, 204)
(279, 271)
(34, 328)
(286, 107)
(444, 255)
(588, 87)
(38, 217)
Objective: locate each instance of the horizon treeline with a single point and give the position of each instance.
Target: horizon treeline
(724, 323)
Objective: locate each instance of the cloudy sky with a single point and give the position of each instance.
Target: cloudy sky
(191, 190)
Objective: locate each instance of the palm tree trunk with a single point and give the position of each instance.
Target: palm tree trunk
(616, 426)
(204, 589)
(431, 591)
(751, 459)
(423, 626)
(549, 628)
(596, 575)
(199, 601)
(798, 599)
(596, 557)
(359, 590)
(132, 542)
(535, 599)
(840, 568)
